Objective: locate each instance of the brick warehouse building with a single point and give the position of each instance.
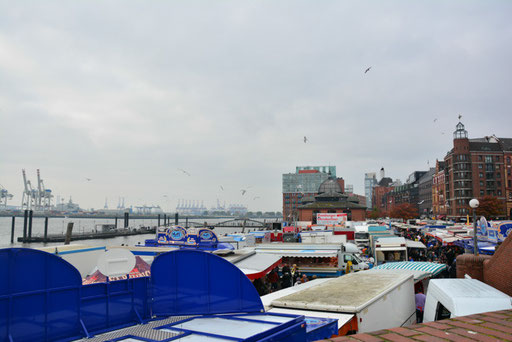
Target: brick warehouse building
(303, 184)
(475, 168)
(438, 190)
(379, 194)
(331, 199)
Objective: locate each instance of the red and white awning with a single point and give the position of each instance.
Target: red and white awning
(258, 265)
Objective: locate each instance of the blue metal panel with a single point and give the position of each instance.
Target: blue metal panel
(115, 304)
(39, 297)
(193, 282)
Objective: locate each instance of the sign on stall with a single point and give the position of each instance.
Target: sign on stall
(330, 218)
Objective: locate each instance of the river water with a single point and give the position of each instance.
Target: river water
(58, 225)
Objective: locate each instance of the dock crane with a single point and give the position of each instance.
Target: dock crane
(44, 196)
(35, 199)
(27, 198)
(4, 196)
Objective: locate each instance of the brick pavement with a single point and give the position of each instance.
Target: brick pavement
(490, 326)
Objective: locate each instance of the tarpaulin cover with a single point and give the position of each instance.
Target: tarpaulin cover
(192, 282)
(141, 269)
(430, 267)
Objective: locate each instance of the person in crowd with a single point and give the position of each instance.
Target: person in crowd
(304, 278)
(286, 280)
(420, 305)
(273, 279)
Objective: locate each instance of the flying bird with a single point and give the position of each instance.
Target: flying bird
(256, 198)
(88, 179)
(185, 172)
(243, 191)
(367, 70)
(221, 187)
(435, 120)
(442, 133)
(305, 139)
(460, 116)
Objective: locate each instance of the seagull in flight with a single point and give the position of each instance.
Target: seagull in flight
(185, 172)
(305, 139)
(221, 187)
(88, 179)
(460, 116)
(367, 70)
(243, 191)
(435, 120)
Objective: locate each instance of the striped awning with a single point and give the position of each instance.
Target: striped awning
(430, 267)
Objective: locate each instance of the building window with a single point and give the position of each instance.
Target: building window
(488, 159)
(479, 158)
(508, 160)
(481, 175)
(481, 183)
(480, 166)
(499, 192)
(481, 192)
(497, 158)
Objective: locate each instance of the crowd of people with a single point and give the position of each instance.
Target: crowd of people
(288, 275)
(281, 278)
(435, 252)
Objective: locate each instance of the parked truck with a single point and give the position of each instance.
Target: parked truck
(367, 301)
(384, 299)
(389, 249)
(322, 260)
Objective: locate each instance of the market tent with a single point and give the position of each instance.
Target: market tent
(304, 253)
(431, 267)
(258, 265)
(414, 244)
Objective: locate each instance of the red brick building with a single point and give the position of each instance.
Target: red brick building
(331, 199)
(380, 191)
(438, 190)
(476, 168)
(508, 176)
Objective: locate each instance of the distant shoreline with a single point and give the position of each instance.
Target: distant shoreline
(132, 216)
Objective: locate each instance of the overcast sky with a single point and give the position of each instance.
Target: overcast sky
(126, 93)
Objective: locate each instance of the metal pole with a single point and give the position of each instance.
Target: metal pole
(116, 222)
(165, 219)
(69, 231)
(45, 228)
(12, 228)
(475, 244)
(30, 213)
(176, 218)
(158, 220)
(25, 218)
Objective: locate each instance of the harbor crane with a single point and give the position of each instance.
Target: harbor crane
(4, 196)
(35, 199)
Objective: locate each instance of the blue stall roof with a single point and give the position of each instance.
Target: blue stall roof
(190, 296)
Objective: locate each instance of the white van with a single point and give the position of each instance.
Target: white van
(448, 298)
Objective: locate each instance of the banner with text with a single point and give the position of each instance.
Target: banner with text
(331, 218)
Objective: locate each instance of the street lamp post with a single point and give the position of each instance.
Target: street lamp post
(474, 204)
